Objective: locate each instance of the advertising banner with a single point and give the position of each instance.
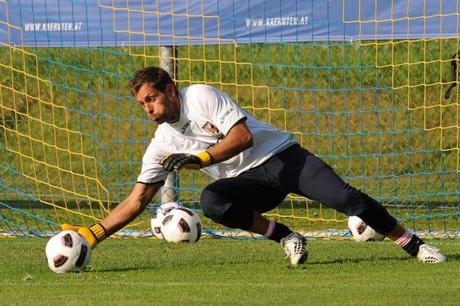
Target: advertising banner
(138, 22)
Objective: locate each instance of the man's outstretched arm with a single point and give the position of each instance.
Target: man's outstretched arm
(123, 214)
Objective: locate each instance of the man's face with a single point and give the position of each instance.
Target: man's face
(159, 106)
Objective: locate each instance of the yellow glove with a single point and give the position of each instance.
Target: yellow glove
(93, 234)
(188, 161)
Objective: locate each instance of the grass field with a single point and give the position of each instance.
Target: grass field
(229, 272)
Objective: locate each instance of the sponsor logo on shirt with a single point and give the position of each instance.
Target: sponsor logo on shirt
(185, 126)
(226, 114)
(211, 129)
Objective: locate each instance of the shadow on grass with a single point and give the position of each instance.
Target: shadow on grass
(453, 257)
(358, 260)
(126, 266)
(450, 258)
(155, 267)
(339, 260)
(125, 269)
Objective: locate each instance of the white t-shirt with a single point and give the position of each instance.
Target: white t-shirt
(206, 116)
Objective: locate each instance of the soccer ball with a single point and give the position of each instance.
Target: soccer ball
(159, 215)
(67, 252)
(181, 225)
(156, 227)
(360, 231)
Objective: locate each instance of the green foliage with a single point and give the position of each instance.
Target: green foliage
(223, 272)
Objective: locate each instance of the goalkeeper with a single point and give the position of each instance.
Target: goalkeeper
(254, 166)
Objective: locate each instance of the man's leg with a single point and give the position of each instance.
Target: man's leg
(239, 202)
(377, 217)
(294, 244)
(301, 172)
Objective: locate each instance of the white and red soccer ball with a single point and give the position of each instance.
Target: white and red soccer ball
(360, 231)
(177, 224)
(67, 252)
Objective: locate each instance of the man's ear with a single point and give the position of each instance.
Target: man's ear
(171, 90)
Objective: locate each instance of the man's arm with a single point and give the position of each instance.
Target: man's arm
(124, 213)
(238, 139)
(130, 208)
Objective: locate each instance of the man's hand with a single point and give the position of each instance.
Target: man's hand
(188, 161)
(93, 234)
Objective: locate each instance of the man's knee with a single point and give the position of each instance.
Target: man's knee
(212, 203)
(223, 209)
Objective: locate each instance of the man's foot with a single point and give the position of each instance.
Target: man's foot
(430, 254)
(294, 246)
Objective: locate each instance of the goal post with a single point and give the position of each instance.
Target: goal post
(168, 192)
(368, 86)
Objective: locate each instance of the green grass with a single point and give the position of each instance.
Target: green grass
(225, 272)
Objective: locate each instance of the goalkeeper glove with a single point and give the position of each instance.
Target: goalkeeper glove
(188, 161)
(93, 234)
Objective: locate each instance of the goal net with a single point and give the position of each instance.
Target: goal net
(369, 86)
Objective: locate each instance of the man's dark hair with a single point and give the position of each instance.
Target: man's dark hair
(155, 76)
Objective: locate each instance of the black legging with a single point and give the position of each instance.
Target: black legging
(233, 201)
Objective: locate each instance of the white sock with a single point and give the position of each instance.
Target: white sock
(404, 239)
